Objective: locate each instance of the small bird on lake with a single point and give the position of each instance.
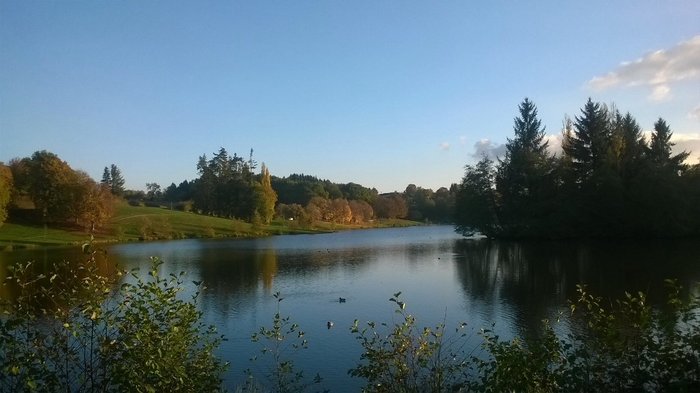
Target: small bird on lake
(342, 300)
(329, 324)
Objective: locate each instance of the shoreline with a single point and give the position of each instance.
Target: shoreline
(12, 234)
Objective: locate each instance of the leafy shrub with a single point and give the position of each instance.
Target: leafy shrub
(622, 345)
(280, 342)
(69, 330)
(408, 359)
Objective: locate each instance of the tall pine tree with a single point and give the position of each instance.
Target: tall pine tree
(660, 149)
(523, 177)
(117, 180)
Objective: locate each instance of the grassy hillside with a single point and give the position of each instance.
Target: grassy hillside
(134, 223)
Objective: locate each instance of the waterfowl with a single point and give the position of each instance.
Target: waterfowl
(329, 324)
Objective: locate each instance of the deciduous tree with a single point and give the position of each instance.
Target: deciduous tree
(6, 185)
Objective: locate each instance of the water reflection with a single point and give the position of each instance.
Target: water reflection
(68, 266)
(534, 280)
(443, 277)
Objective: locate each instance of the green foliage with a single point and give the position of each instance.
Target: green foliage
(516, 366)
(630, 346)
(622, 345)
(405, 358)
(67, 330)
(266, 197)
(161, 344)
(614, 346)
(280, 343)
(116, 184)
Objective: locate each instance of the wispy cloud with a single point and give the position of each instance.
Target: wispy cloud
(445, 146)
(695, 113)
(657, 70)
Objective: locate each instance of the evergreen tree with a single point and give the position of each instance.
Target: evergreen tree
(588, 145)
(117, 180)
(633, 146)
(106, 178)
(660, 149)
(523, 178)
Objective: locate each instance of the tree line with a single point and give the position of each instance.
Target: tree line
(609, 181)
(44, 189)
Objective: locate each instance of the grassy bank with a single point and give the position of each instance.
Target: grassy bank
(139, 223)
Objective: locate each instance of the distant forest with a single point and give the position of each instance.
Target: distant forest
(45, 189)
(609, 182)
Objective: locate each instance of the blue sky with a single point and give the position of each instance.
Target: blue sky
(382, 93)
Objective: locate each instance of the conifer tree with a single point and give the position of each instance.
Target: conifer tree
(588, 145)
(106, 178)
(660, 148)
(522, 179)
(117, 180)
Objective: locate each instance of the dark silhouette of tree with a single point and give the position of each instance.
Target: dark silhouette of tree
(476, 207)
(660, 149)
(588, 144)
(524, 177)
(106, 178)
(607, 183)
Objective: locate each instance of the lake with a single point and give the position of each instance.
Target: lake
(442, 276)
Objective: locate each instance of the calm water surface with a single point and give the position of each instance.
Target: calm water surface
(442, 277)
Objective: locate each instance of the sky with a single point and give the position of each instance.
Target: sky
(380, 93)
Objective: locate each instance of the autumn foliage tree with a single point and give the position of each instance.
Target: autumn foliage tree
(5, 191)
(61, 194)
(266, 197)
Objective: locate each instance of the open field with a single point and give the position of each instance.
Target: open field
(139, 223)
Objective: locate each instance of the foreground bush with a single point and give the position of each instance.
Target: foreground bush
(616, 346)
(71, 332)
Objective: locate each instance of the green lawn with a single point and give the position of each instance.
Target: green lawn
(133, 223)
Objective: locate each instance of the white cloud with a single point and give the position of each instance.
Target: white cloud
(444, 146)
(486, 147)
(660, 93)
(463, 139)
(689, 142)
(554, 145)
(657, 70)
